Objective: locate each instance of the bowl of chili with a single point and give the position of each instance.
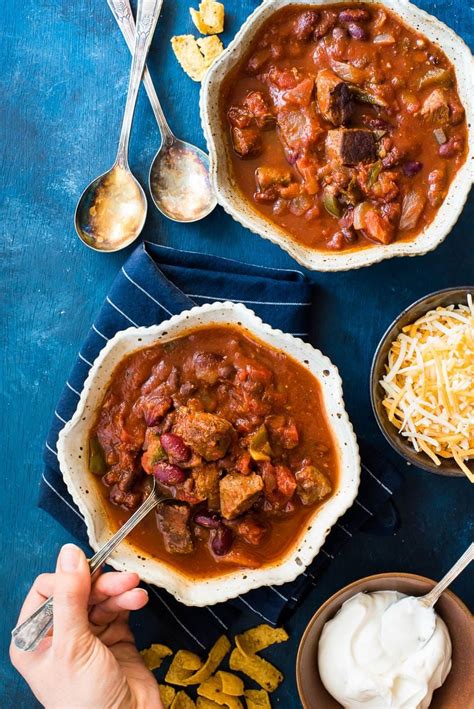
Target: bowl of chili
(244, 424)
(342, 131)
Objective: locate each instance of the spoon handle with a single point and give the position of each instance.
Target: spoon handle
(430, 599)
(147, 17)
(122, 12)
(28, 635)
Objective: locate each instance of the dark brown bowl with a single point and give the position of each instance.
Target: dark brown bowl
(458, 689)
(448, 296)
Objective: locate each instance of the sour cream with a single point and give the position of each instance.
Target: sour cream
(364, 663)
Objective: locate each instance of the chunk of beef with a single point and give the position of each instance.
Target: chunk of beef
(437, 187)
(206, 366)
(335, 100)
(206, 484)
(238, 493)
(377, 227)
(239, 117)
(121, 498)
(351, 146)
(266, 177)
(173, 522)
(312, 485)
(436, 107)
(257, 105)
(153, 408)
(246, 141)
(305, 24)
(206, 434)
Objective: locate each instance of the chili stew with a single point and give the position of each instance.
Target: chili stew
(231, 428)
(345, 124)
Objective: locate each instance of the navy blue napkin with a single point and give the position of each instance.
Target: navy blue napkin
(155, 283)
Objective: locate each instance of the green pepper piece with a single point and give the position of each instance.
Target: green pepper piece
(259, 447)
(331, 205)
(436, 76)
(367, 97)
(374, 172)
(96, 457)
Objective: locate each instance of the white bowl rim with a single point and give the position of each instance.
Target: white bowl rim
(188, 590)
(240, 208)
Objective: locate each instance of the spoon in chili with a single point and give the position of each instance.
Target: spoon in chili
(111, 211)
(29, 634)
(179, 175)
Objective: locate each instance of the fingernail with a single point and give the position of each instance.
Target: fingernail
(143, 590)
(69, 557)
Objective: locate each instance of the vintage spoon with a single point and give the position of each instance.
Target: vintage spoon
(408, 624)
(112, 209)
(29, 634)
(179, 175)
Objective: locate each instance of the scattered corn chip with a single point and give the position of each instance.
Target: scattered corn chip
(230, 684)
(210, 48)
(184, 664)
(258, 669)
(212, 689)
(257, 699)
(204, 703)
(194, 56)
(182, 701)
(210, 18)
(154, 655)
(259, 638)
(167, 695)
(216, 654)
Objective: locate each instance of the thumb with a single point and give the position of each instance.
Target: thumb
(72, 585)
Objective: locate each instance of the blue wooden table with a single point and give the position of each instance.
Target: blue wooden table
(64, 77)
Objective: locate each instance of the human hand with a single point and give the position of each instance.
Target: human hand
(90, 661)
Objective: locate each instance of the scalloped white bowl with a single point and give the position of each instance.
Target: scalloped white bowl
(73, 441)
(240, 208)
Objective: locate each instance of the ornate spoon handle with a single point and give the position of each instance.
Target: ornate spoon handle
(147, 17)
(29, 634)
(122, 12)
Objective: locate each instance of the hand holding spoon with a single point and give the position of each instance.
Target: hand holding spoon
(179, 175)
(408, 624)
(112, 209)
(29, 634)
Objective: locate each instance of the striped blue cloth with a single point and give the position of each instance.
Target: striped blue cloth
(155, 283)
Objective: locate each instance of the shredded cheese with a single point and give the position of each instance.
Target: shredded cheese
(429, 384)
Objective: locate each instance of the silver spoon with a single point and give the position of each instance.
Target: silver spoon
(408, 624)
(112, 209)
(179, 175)
(28, 635)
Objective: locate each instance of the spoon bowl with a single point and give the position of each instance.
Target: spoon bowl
(111, 211)
(179, 181)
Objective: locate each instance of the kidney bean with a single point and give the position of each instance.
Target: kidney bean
(353, 15)
(169, 474)
(208, 520)
(175, 447)
(221, 540)
(412, 167)
(356, 31)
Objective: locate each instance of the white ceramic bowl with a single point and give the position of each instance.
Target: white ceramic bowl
(73, 441)
(241, 209)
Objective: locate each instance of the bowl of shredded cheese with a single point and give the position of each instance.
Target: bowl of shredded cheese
(422, 383)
